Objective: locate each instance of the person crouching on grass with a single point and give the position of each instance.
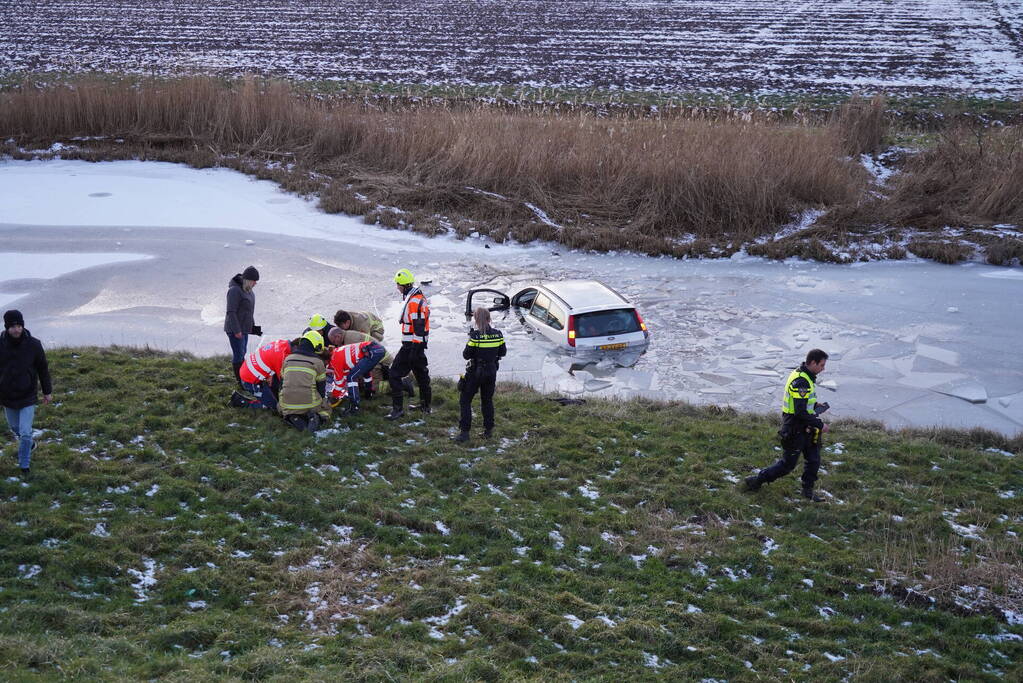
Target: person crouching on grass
(22, 368)
(484, 350)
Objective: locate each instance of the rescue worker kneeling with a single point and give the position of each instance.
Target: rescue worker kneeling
(350, 364)
(260, 375)
(484, 350)
(303, 383)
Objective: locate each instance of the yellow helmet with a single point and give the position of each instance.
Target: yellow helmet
(317, 322)
(315, 338)
(404, 277)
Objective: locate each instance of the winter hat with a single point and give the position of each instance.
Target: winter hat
(251, 273)
(13, 317)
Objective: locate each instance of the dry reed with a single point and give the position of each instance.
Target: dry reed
(643, 184)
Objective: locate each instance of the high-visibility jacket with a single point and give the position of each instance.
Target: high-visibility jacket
(367, 323)
(415, 317)
(798, 405)
(302, 381)
(351, 336)
(484, 350)
(265, 362)
(342, 361)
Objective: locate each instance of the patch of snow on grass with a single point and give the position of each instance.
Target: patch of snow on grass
(146, 579)
(573, 621)
(28, 571)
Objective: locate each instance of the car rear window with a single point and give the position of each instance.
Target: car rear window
(606, 323)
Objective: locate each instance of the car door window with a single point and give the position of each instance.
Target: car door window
(556, 316)
(525, 298)
(540, 306)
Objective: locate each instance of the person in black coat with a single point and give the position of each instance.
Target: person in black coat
(484, 350)
(238, 321)
(23, 368)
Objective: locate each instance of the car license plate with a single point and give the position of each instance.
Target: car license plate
(612, 347)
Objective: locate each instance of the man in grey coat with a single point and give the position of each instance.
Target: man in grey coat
(238, 322)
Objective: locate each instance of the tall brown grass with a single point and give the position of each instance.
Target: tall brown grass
(972, 176)
(605, 183)
(860, 125)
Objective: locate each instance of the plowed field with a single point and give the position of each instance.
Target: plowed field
(908, 46)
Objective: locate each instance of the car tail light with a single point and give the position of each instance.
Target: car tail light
(571, 330)
(642, 325)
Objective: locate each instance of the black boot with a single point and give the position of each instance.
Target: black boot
(408, 386)
(237, 372)
(753, 483)
(397, 410)
(462, 437)
(812, 496)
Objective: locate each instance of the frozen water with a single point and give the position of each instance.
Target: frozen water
(897, 356)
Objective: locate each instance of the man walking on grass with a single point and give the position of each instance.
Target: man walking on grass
(801, 428)
(22, 368)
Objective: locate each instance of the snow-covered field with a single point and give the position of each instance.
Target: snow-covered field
(140, 253)
(911, 46)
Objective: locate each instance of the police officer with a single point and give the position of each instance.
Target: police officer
(415, 331)
(801, 427)
(484, 350)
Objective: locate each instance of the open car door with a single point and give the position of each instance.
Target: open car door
(496, 301)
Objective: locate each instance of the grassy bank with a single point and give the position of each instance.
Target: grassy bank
(688, 183)
(164, 534)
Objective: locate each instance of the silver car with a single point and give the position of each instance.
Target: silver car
(584, 317)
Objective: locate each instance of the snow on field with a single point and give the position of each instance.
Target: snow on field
(754, 45)
(724, 332)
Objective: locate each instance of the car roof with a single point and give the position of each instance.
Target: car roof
(585, 294)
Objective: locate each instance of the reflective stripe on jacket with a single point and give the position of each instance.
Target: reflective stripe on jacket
(415, 317)
(265, 362)
(300, 376)
(798, 405)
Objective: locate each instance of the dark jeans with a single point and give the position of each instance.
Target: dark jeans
(374, 354)
(485, 386)
(238, 347)
(799, 443)
(263, 392)
(410, 357)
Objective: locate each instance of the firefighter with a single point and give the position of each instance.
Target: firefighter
(415, 332)
(351, 363)
(260, 375)
(364, 322)
(303, 383)
(484, 350)
(801, 427)
(320, 324)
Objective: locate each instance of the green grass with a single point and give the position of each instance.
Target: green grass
(341, 557)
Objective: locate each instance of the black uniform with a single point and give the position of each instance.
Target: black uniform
(800, 431)
(483, 351)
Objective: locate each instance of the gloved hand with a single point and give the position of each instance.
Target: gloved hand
(257, 330)
(822, 407)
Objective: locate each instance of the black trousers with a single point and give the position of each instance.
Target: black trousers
(410, 357)
(485, 385)
(799, 443)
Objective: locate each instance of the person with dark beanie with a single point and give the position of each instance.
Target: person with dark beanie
(22, 368)
(238, 323)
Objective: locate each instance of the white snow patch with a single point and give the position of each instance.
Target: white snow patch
(146, 579)
(573, 621)
(442, 528)
(28, 571)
